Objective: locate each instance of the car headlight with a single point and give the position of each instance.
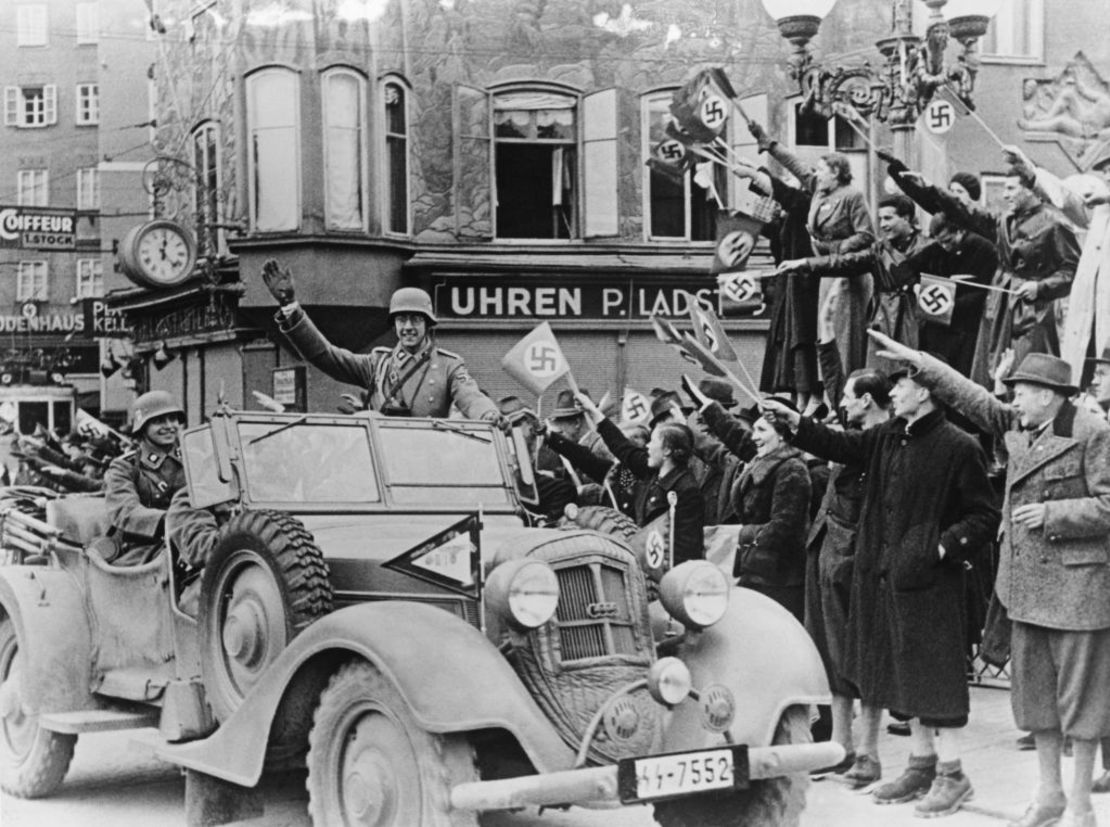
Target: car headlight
(524, 592)
(669, 681)
(695, 593)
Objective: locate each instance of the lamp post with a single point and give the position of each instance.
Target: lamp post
(913, 68)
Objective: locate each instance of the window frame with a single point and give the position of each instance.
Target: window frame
(251, 80)
(576, 231)
(387, 206)
(25, 28)
(39, 272)
(88, 188)
(1036, 34)
(22, 188)
(89, 278)
(87, 104)
(665, 94)
(87, 23)
(15, 106)
(210, 236)
(362, 154)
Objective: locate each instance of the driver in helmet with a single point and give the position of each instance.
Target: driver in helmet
(139, 485)
(413, 378)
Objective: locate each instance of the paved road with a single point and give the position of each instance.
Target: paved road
(113, 785)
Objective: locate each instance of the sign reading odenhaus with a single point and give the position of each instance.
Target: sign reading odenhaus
(38, 228)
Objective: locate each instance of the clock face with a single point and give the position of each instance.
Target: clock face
(164, 254)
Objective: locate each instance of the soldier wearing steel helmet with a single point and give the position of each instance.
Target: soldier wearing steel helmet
(413, 378)
(139, 485)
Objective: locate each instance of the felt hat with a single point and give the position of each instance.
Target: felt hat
(566, 406)
(1045, 370)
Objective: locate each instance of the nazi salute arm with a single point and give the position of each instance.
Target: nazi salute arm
(834, 265)
(845, 447)
(581, 457)
(628, 453)
(951, 387)
(339, 363)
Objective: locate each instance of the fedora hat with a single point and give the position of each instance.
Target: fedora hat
(566, 406)
(1104, 359)
(1045, 370)
(662, 405)
(718, 390)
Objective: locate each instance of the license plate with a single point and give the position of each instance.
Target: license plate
(682, 773)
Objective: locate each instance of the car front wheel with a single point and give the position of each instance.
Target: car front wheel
(371, 764)
(33, 760)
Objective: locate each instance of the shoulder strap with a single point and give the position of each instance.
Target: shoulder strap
(395, 383)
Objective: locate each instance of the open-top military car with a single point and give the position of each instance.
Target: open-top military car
(377, 607)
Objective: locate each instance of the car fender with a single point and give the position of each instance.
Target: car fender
(760, 652)
(451, 676)
(55, 640)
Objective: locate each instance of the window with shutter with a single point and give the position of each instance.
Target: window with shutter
(473, 180)
(600, 163)
(743, 144)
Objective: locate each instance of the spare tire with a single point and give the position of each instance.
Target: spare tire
(602, 519)
(264, 582)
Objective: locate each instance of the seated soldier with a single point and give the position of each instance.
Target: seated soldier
(140, 484)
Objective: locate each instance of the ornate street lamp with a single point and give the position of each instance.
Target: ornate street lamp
(914, 68)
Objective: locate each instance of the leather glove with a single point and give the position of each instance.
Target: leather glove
(279, 281)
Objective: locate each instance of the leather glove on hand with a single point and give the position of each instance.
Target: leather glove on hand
(279, 281)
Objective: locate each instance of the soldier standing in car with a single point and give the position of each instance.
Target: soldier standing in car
(413, 378)
(139, 485)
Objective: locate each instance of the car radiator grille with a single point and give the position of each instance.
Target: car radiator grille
(594, 616)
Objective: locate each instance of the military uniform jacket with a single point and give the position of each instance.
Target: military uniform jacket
(138, 487)
(439, 378)
(1059, 575)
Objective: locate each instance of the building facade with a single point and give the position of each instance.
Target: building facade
(493, 152)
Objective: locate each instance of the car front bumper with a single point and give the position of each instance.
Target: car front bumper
(598, 785)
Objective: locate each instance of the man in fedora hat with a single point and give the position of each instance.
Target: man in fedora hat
(1054, 571)
(569, 420)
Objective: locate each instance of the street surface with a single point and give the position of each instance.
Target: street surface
(112, 784)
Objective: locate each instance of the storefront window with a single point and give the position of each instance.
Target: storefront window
(344, 153)
(535, 157)
(676, 209)
(396, 157)
(273, 121)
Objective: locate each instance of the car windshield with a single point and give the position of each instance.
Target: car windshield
(460, 455)
(309, 463)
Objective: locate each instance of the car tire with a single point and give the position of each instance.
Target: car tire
(772, 802)
(33, 760)
(602, 519)
(371, 763)
(264, 582)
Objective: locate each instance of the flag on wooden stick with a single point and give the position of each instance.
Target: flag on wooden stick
(536, 361)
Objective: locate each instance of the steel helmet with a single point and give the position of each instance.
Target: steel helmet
(412, 300)
(150, 405)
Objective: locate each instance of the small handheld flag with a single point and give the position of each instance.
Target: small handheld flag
(536, 361)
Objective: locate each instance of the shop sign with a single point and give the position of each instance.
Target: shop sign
(213, 313)
(33, 322)
(37, 228)
(289, 388)
(103, 321)
(485, 297)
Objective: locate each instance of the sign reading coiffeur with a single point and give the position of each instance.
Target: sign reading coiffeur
(38, 228)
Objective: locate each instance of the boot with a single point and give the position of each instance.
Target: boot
(913, 783)
(950, 789)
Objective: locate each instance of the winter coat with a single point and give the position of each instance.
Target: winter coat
(774, 513)
(1059, 575)
(138, 487)
(926, 486)
(651, 499)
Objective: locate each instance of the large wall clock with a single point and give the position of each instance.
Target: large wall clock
(159, 253)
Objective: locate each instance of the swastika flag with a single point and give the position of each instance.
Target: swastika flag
(635, 407)
(740, 293)
(708, 331)
(536, 360)
(937, 299)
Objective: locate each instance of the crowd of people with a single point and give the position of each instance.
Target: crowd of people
(896, 459)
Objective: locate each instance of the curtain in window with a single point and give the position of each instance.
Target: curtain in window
(273, 116)
(343, 110)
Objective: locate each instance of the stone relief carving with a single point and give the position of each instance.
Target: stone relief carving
(1072, 108)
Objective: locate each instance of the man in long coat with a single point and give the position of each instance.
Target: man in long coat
(927, 508)
(1054, 570)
